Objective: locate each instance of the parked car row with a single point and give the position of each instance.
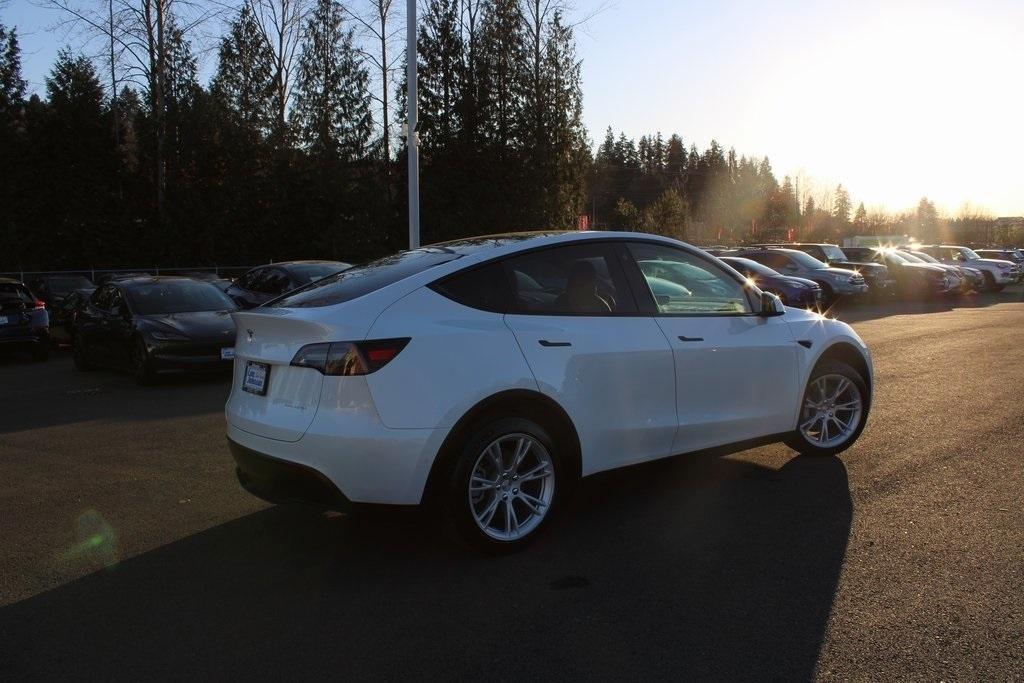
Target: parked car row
(147, 324)
(855, 272)
(486, 376)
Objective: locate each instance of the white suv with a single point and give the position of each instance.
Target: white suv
(486, 375)
(997, 272)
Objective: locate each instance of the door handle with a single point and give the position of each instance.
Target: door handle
(690, 339)
(545, 342)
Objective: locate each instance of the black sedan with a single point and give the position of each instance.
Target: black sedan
(794, 291)
(152, 325)
(64, 314)
(24, 322)
(263, 283)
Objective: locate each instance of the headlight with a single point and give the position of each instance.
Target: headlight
(167, 335)
(852, 279)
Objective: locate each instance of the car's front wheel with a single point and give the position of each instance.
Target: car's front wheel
(504, 485)
(142, 366)
(833, 412)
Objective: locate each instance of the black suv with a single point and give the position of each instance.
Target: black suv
(880, 281)
(24, 322)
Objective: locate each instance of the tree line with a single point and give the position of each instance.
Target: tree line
(291, 150)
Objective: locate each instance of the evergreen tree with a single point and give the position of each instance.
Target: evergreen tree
(244, 78)
(442, 78)
(841, 207)
(332, 112)
(12, 85)
(860, 218)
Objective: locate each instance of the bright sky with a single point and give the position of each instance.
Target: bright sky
(895, 99)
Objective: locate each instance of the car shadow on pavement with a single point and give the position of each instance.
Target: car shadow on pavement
(64, 396)
(860, 312)
(703, 567)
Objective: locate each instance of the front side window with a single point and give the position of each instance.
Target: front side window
(775, 260)
(580, 279)
(683, 283)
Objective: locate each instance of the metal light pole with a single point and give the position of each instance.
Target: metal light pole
(412, 140)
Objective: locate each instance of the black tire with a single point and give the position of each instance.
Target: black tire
(990, 281)
(828, 294)
(142, 366)
(41, 352)
(798, 442)
(80, 354)
(455, 505)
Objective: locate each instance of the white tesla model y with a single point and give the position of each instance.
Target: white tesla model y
(486, 375)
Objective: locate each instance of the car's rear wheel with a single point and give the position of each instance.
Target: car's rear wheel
(833, 412)
(504, 485)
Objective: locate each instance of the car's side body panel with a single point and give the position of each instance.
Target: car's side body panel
(458, 356)
(614, 378)
(736, 378)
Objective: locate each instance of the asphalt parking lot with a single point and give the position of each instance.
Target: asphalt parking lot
(130, 552)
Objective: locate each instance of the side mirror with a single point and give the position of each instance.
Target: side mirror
(771, 305)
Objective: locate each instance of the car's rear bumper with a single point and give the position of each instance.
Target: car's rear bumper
(365, 461)
(281, 481)
(23, 339)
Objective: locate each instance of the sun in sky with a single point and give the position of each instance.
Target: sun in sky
(896, 100)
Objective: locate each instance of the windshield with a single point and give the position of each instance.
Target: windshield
(63, 285)
(177, 296)
(925, 258)
(304, 273)
(833, 253)
(907, 256)
(369, 277)
(745, 265)
(894, 257)
(969, 254)
(9, 290)
(805, 260)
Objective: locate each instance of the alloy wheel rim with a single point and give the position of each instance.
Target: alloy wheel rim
(511, 486)
(832, 411)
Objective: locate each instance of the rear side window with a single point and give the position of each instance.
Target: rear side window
(361, 280)
(485, 288)
(570, 280)
(15, 291)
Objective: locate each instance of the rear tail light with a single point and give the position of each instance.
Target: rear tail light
(349, 358)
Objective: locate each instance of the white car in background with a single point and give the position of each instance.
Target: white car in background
(997, 273)
(487, 375)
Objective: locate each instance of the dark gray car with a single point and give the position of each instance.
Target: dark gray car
(835, 282)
